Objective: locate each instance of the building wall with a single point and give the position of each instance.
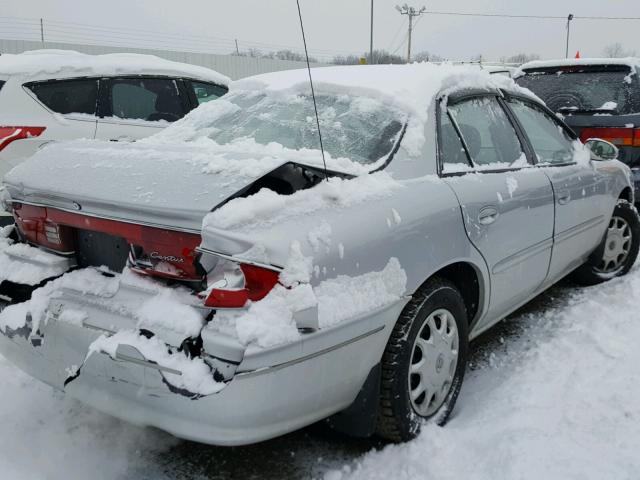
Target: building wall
(233, 66)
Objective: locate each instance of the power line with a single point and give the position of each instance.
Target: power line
(543, 17)
(119, 36)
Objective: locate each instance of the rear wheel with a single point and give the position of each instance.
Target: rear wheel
(424, 361)
(619, 248)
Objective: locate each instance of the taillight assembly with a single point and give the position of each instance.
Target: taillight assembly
(621, 137)
(36, 227)
(232, 284)
(11, 134)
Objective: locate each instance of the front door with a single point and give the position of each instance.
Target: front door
(506, 203)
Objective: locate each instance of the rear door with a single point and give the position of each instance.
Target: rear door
(506, 203)
(132, 108)
(581, 200)
(74, 103)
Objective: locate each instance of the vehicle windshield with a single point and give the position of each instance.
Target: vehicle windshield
(569, 90)
(361, 129)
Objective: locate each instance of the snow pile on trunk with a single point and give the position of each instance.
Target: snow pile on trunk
(272, 320)
(561, 403)
(267, 208)
(40, 265)
(195, 375)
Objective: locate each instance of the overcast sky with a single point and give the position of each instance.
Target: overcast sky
(342, 26)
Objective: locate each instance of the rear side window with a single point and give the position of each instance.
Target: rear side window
(150, 99)
(1, 84)
(205, 92)
(585, 89)
(67, 96)
(490, 137)
(551, 143)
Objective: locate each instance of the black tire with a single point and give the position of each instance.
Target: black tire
(398, 420)
(592, 272)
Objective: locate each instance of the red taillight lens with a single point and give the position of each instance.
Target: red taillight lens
(37, 227)
(258, 282)
(621, 137)
(11, 134)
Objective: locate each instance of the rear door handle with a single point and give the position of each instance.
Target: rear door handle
(488, 215)
(564, 198)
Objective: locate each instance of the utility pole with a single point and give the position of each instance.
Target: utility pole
(371, 39)
(569, 18)
(411, 12)
(42, 32)
(237, 49)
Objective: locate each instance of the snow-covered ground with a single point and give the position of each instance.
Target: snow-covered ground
(554, 394)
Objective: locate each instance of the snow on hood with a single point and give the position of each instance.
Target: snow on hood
(69, 62)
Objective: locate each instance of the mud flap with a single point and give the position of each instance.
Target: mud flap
(359, 419)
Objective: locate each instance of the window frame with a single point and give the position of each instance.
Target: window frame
(546, 110)
(26, 87)
(105, 111)
(465, 96)
(190, 91)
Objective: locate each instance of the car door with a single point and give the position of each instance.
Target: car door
(506, 203)
(132, 108)
(580, 190)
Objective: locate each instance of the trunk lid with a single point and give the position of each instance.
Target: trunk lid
(162, 185)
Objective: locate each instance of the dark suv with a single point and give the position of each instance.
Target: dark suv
(596, 98)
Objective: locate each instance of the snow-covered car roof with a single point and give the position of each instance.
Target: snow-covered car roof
(631, 62)
(68, 63)
(413, 85)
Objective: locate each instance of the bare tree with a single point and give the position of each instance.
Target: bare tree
(425, 56)
(520, 58)
(379, 57)
(616, 50)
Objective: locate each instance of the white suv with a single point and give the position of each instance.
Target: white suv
(53, 95)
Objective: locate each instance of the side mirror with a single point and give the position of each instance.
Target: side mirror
(601, 149)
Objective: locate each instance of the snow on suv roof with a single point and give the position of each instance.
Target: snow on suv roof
(70, 63)
(631, 62)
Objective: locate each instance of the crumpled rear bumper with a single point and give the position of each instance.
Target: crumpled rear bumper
(267, 392)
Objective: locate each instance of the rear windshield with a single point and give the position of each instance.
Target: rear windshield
(603, 89)
(362, 129)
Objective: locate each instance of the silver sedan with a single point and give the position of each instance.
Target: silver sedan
(220, 282)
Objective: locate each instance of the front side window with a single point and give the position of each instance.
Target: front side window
(452, 153)
(551, 143)
(488, 134)
(205, 92)
(67, 96)
(149, 99)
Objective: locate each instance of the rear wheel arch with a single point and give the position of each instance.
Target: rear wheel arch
(626, 194)
(468, 280)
